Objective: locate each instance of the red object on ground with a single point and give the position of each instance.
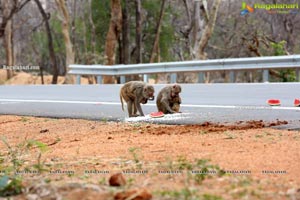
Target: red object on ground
(274, 102)
(297, 102)
(156, 114)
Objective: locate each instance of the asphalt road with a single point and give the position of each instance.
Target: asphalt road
(201, 102)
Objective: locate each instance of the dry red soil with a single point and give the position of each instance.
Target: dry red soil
(264, 162)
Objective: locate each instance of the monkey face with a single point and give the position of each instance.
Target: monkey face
(149, 92)
(176, 89)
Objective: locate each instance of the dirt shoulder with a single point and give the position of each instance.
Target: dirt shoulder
(260, 163)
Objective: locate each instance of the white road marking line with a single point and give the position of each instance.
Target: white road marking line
(152, 104)
(57, 101)
(242, 107)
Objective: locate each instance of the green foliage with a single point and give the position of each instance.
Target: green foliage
(187, 194)
(278, 48)
(184, 194)
(101, 18)
(13, 163)
(10, 186)
(183, 163)
(135, 151)
(229, 135)
(167, 34)
(40, 42)
(211, 197)
(41, 146)
(167, 38)
(41, 45)
(199, 170)
(206, 170)
(24, 119)
(287, 75)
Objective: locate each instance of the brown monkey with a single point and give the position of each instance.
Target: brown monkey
(175, 104)
(167, 97)
(135, 93)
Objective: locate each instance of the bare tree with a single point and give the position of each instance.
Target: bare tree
(8, 37)
(46, 17)
(9, 8)
(138, 37)
(155, 48)
(126, 33)
(70, 57)
(208, 30)
(115, 28)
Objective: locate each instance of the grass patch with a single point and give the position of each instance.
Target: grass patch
(12, 164)
(229, 135)
(183, 194)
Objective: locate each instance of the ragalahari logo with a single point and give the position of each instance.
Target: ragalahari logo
(246, 9)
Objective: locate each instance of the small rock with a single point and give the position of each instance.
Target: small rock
(44, 130)
(291, 191)
(109, 138)
(117, 180)
(136, 194)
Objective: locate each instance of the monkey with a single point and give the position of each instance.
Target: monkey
(135, 93)
(143, 101)
(167, 98)
(175, 104)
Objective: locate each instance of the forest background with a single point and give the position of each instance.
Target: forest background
(55, 33)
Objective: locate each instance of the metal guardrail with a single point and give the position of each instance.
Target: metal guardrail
(200, 66)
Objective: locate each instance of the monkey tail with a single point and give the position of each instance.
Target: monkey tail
(122, 104)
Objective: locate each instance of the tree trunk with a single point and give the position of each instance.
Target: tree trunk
(93, 30)
(126, 33)
(208, 30)
(138, 37)
(8, 41)
(196, 33)
(16, 7)
(8, 38)
(92, 79)
(73, 29)
(50, 41)
(70, 57)
(115, 28)
(155, 48)
(125, 56)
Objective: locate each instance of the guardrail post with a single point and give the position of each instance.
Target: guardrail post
(265, 75)
(122, 79)
(146, 78)
(297, 75)
(173, 78)
(99, 79)
(232, 76)
(200, 77)
(78, 77)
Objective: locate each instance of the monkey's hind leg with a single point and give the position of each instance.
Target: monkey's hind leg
(126, 115)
